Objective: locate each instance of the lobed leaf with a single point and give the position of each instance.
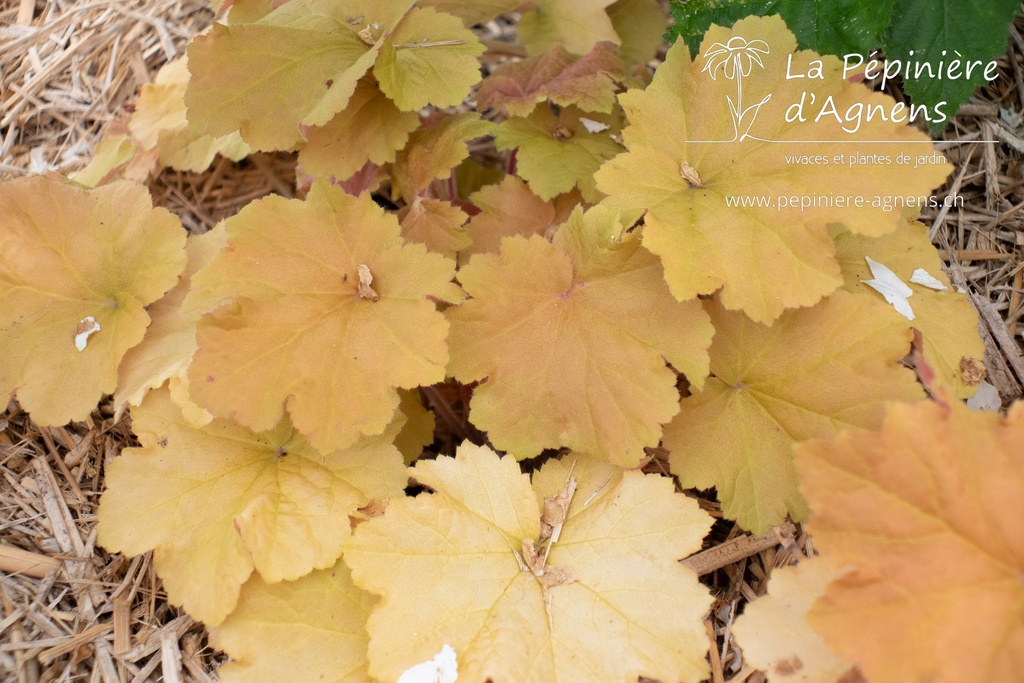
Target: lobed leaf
(641, 26)
(927, 510)
(458, 552)
(773, 631)
(766, 258)
(557, 152)
(217, 502)
(434, 151)
(587, 81)
(577, 25)
(775, 386)
(437, 224)
(312, 630)
(77, 270)
(572, 338)
(946, 319)
(298, 333)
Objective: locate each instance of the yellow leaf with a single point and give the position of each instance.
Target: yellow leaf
(927, 510)
(706, 134)
(450, 571)
(371, 128)
(814, 372)
(557, 152)
(773, 632)
(297, 331)
(170, 340)
(429, 59)
(473, 12)
(947, 321)
(309, 70)
(575, 24)
(71, 261)
(312, 629)
(641, 26)
(436, 224)
(218, 502)
(572, 337)
(112, 154)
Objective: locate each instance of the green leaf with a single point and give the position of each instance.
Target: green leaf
(826, 26)
(977, 29)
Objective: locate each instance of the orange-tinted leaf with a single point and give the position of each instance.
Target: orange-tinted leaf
(307, 70)
(688, 158)
(429, 59)
(370, 128)
(588, 81)
(577, 25)
(947, 321)
(298, 333)
(312, 630)
(71, 261)
(220, 501)
(170, 340)
(773, 632)
(508, 209)
(927, 510)
(436, 224)
(814, 372)
(557, 152)
(433, 152)
(453, 571)
(572, 338)
(159, 123)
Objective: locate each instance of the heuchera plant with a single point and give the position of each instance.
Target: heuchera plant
(561, 239)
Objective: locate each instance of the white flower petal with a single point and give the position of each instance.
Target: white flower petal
(922, 277)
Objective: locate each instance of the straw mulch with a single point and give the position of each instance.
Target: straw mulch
(75, 612)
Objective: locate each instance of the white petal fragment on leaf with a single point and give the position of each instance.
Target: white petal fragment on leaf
(895, 290)
(85, 327)
(594, 126)
(443, 668)
(921, 277)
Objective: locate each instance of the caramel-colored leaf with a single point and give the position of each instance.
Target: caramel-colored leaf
(509, 208)
(641, 26)
(947, 321)
(220, 501)
(312, 630)
(170, 340)
(587, 82)
(417, 431)
(726, 116)
(437, 224)
(927, 511)
(451, 572)
(473, 12)
(267, 78)
(159, 122)
(299, 331)
(814, 372)
(72, 260)
(370, 128)
(433, 152)
(773, 632)
(572, 338)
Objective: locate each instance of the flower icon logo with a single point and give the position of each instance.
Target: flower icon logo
(738, 56)
(735, 60)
